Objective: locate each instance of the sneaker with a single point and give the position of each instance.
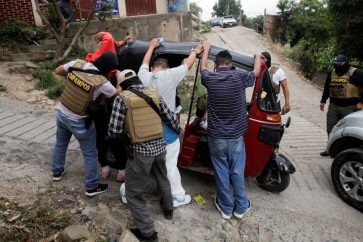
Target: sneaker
(177, 201)
(99, 189)
(140, 236)
(324, 153)
(123, 193)
(120, 176)
(168, 214)
(58, 176)
(105, 172)
(240, 215)
(225, 216)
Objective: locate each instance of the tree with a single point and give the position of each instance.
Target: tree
(285, 16)
(195, 9)
(348, 21)
(58, 29)
(229, 7)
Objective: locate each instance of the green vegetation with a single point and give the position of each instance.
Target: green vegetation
(32, 223)
(2, 88)
(11, 35)
(46, 79)
(255, 23)
(319, 30)
(105, 10)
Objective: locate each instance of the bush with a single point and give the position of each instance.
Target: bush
(46, 79)
(55, 91)
(10, 31)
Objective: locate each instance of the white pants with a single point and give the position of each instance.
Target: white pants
(172, 153)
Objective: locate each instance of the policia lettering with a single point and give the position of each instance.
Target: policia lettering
(79, 88)
(340, 87)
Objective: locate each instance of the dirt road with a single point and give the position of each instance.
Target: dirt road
(309, 210)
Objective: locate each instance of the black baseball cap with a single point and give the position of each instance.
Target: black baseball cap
(340, 59)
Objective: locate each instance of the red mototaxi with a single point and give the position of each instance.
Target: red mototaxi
(265, 129)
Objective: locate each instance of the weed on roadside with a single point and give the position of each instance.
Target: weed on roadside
(2, 88)
(31, 223)
(55, 91)
(46, 79)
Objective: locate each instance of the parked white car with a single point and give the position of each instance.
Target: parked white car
(345, 145)
(228, 21)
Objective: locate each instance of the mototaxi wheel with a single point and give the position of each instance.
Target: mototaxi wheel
(347, 177)
(273, 180)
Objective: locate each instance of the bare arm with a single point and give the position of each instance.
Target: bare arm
(285, 90)
(203, 64)
(193, 55)
(257, 65)
(153, 45)
(61, 71)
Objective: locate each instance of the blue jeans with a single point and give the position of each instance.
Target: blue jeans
(229, 159)
(87, 141)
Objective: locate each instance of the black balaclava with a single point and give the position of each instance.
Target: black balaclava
(268, 58)
(341, 64)
(106, 63)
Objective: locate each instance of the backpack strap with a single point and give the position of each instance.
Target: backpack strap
(148, 99)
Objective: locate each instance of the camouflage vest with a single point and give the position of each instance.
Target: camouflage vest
(340, 87)
(272, 71)
(79, 88)
(142, 123)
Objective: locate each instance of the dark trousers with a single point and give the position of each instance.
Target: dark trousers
(137, 171)
(110, 152)
(336, 113)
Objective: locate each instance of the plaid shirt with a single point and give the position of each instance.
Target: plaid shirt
(149, 148)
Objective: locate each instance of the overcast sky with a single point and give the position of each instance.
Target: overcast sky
(250, 7)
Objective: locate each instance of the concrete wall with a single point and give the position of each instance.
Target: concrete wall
(173, 27)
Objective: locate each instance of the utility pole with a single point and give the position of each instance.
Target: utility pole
(240, 12)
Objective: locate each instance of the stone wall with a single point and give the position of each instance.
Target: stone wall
(173, 27)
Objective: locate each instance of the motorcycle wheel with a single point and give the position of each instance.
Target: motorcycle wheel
(273, 180)
(347, 177)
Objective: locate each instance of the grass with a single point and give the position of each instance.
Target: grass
(2, 88)
(36, 222)
(46, 79)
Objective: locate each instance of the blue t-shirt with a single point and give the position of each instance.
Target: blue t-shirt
(169, 135)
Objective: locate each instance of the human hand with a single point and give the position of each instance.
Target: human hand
(199, 49)
(127, 38)
(322, 106)
(154, 43)
(206, 46)
(98, 37)
(359, 106)
(287, 108)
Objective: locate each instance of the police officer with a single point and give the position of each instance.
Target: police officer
(342, 86)
(85, 82)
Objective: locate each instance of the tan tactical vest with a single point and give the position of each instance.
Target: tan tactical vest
(142, 122)
(79, 88)
(272, 71)
(340, 87)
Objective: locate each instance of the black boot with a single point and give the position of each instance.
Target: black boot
(140, 236)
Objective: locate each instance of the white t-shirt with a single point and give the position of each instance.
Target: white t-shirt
(106, 88)
(277, 78)
(165, 81)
